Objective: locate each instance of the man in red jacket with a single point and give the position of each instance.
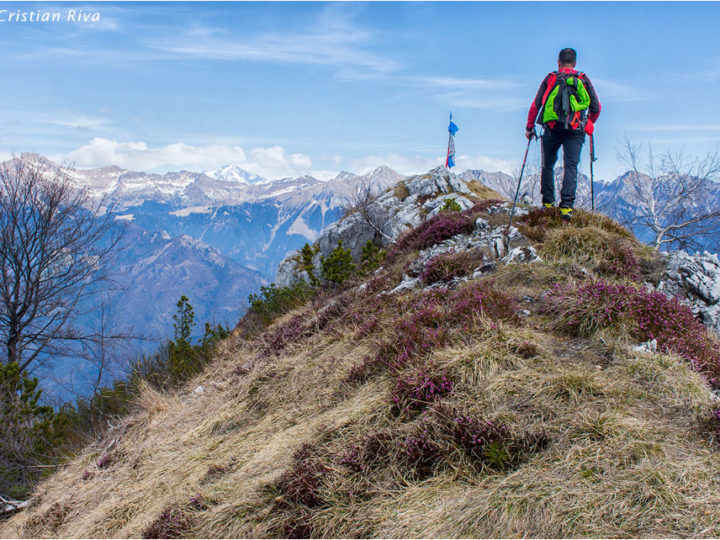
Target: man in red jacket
(566, 106)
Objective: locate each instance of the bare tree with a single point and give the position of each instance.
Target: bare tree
(56, 247)
(677, 199)
(363, 200)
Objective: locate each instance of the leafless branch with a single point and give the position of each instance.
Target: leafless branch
(677, 200)
(56, 248)
(363, 201)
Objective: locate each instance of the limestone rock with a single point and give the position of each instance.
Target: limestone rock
(521, 255)
(695, 279)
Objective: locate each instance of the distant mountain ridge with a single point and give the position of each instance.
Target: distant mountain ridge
(228, 185)
(215, 237)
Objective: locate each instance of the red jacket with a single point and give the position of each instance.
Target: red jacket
(593, 110)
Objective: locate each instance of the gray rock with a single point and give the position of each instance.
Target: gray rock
(438, 180)
(287, 272)
(499, 209)
(481, 224)
(695, 279)
(521, 255)
(401, 215)
(354, 231)
(435, 205)
(407, 284)
(499, 247)
(484, 269)
(647, 347)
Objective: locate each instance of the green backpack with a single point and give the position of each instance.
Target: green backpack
(566, 100)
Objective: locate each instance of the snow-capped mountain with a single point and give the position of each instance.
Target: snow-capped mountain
(235, 174)
(227, 186)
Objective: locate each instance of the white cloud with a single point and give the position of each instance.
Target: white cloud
(269, 162)
(82, 122)
(465, 84)
(482, 100)
(485, 163)
(332, 40)
(494, 94)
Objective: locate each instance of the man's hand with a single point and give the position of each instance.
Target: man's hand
(530, 133)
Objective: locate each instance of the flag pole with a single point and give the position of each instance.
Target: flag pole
(447, 158)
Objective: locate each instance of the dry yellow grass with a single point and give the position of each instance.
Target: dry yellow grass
(482, 192)
(625, 453)
(626, 457)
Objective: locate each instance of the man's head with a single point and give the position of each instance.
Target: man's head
(567, 58)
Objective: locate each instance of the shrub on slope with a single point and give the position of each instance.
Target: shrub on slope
(644, 315)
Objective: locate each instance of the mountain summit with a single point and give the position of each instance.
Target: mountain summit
(233, 173)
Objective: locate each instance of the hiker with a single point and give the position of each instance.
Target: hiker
(567, 107)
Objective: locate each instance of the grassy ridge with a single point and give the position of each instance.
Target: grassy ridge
(448, 412)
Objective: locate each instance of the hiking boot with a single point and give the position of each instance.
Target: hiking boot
(566, 214)
(548, 205)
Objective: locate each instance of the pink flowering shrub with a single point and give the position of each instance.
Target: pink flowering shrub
(476, 435)
(351, 459)
(415, 391)
(447, 266)
(493, 445)
(175, 520)
(104, 461)
(298, 524)
(480, 298)
(715, 421)
(301, 484)
(620, 261)
(282, 335)
(422, 452)
(432, 231)
(369, 452)
(427, 321)
(304, 325)
(647, 315)
(481, 207)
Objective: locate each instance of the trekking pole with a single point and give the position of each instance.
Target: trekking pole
(522, 170)
(592, 176)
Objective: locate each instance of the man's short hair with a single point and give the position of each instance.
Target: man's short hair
(567, 56)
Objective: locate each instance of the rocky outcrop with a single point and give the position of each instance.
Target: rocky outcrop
(695, 279)
(354, 231)
(392, 213)
(398, 210)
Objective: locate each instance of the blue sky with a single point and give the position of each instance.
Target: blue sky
(284, 89)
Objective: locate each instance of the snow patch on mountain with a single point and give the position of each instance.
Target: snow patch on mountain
(185, 212)
(300, 227)
(234, 174)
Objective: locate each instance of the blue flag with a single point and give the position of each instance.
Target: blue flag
(452, 129)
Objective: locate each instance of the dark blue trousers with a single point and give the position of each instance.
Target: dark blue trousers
(571, 142)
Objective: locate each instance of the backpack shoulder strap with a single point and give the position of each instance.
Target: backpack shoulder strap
(550, 81)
